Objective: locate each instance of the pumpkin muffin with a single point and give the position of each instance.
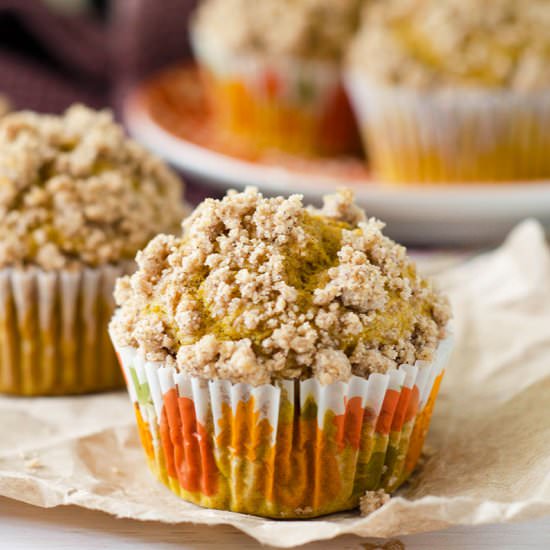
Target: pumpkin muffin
(455, 90)
(282, 360)
(272, 70)
(77, 200)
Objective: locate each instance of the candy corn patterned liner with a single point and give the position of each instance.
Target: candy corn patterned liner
(448, 135)
(289, 450)
(296, 106)
(53, 331)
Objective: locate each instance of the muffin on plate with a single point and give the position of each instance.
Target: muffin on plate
(282, 360)
(77, 200)
(272, 70)
(453, 91)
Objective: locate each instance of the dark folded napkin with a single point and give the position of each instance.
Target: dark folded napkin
(50, 58)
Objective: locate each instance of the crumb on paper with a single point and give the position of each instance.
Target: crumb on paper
(33, 463)
(372, 500)
(304, 511)
(392, 544)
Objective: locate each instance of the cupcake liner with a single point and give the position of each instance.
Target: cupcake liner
(53, 331)
(295, 106)
(287, 450)
(468, 135)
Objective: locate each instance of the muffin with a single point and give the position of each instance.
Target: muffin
(282, 360)
(453, 91)
(77, 200)
(272, 72)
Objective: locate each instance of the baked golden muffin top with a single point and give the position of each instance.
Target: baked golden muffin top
(318, 29)
(75, 191)
(258, 289)
(468, 43)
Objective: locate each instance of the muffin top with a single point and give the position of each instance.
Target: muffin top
(258, 289)
(75, 191)
(318, 29)
(470, 43)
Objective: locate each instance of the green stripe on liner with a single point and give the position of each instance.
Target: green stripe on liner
(142, 390)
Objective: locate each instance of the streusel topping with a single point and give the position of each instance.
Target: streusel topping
(372, 501)
(427, 43)
(258, 289)
(318, 29)
(75, 191)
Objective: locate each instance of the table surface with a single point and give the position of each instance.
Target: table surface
(25, 527)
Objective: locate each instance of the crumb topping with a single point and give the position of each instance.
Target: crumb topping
(392, 544)
(372, 500)
(427, 43)
(258, 289)
(305, 28)
(74, 190)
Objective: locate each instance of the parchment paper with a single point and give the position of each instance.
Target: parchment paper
(490, 433)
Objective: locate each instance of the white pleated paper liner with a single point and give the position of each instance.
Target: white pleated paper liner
(54, 330)
(290, 449)
(294, 105)
(460, 135)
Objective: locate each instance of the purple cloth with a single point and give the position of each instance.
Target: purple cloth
(87, 58)
(73, 66)
(146, 36)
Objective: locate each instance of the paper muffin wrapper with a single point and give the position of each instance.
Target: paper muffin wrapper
(452, 135)
(286, 450)
(54, 331)
(295, 106)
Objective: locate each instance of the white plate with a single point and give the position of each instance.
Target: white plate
(468, 215)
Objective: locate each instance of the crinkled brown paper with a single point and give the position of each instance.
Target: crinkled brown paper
(490, 433)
